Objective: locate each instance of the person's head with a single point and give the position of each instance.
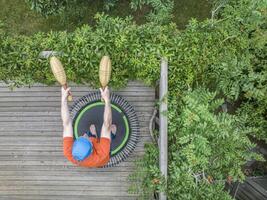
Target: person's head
(82, 148)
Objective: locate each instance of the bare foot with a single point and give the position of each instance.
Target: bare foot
(93, 129)
(113, 129)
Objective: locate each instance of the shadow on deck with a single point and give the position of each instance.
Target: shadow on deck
(32, 165)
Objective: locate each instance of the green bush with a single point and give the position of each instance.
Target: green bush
(137, 47)
(145, 179)
(47, 7)
(205, 142)
(162, 10)
(207, 147)
(241, 74)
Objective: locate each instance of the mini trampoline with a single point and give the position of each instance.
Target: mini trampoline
(89, 110)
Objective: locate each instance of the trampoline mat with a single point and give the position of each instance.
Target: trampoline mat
(93, 114)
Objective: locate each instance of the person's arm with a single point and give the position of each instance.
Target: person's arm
(106, 127)
(67, 126)
(65, 115)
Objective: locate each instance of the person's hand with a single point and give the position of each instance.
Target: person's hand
(105, 94)
(65, 93)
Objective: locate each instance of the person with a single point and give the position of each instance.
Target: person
(87, 150)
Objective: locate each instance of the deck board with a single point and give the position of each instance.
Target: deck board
(32, 165)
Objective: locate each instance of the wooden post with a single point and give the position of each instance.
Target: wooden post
(163, 125)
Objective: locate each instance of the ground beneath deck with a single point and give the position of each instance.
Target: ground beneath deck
(32, 165)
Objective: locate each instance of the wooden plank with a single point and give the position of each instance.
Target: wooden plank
(42, 154)
(59, 161)
(56, 126)
(30, 114)
(40, 115)
(105, 184)
(51, 133)
(261, 180)
(29, 93)
(49, 146)
(74, 89)
(73, 188)
(65, 168)
(57, 119)
(40, 108)
(60, 178)
(47, 169)
(56, 193)
(249, 193)
(130, 83)
(58, 99)
(63, 197)
(49, 114)
(44, 103)
(36, 173)
(45, 140)
(32, 145)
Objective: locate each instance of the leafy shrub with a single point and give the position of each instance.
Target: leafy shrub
(255, 113)
(149, 173)
(242, 71)
(137, 47)
(109, 4)
(207, 147)
(162, 10)
(206, 143)
(47, 7)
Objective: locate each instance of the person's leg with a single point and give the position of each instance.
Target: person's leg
(93, 129)
(106, 127)
(91, 132)
(113, 131)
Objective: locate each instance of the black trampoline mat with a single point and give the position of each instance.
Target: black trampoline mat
(93, 114)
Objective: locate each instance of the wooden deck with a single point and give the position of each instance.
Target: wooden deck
(32, 165)
(253, 188)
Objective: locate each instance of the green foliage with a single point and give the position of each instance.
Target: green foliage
(55, 7)
(216, 144)
(241, 73)
(201, 191)
(244, 71)
(149, 173)
(206, 145)
(162, 10)
(255, 113)
(109, 4)
(137, 47)
(47, 7)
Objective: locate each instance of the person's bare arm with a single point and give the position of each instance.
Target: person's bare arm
(67, 123)
(106, 127)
